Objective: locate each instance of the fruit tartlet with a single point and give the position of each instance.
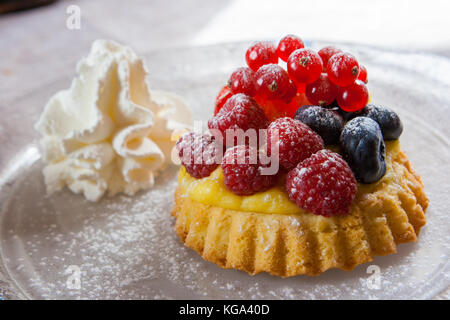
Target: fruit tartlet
(320, 181)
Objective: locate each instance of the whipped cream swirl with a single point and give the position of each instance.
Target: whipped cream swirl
(108, 132)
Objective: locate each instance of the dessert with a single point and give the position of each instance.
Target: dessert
(108, 132)
(327, 185)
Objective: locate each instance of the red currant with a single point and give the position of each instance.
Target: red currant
(287, 45)
(272, 108)
(271, 82)
(261, 53)
(326, 53)
(241, 81)
(362, 73)
(304, 65)
(275, 109)
(300, 86)
(224, 94)
(353, 97)
(321, 92)
(290, 93)
(342, 69)
(298, 101)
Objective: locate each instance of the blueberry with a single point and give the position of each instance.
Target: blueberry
(364, 149)
(327, 123)
(347, 116)
(388, 120)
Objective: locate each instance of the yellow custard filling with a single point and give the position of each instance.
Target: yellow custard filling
(212, 190)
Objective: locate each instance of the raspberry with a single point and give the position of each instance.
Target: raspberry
(261, 53)
(304, 65)
(271, 82)
(353, 97)
(224, 94)
(239, 112)
(296, 141)
(322, 184)
(287, 45)
(342, 69)
(242, 170)
(321, 92)
(326, 53)
(241, 81)
(198, 154)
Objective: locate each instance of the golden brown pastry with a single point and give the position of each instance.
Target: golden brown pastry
(383, 215)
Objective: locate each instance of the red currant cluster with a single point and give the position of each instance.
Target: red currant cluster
(318, 78)
(265, 95)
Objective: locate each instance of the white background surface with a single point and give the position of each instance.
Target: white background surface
(36, 45)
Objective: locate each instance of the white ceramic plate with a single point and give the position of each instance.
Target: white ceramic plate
(125, 247)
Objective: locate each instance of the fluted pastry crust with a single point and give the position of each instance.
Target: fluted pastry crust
(292, 244)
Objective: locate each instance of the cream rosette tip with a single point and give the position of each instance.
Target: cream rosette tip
(108, 132)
